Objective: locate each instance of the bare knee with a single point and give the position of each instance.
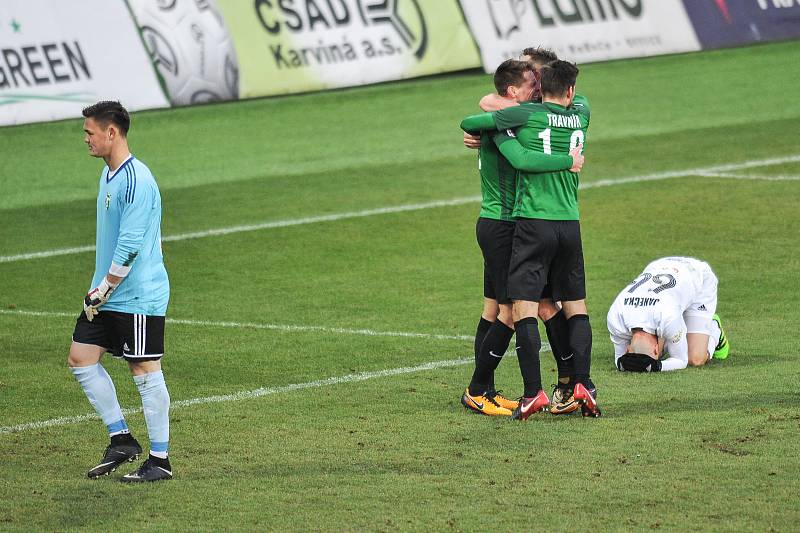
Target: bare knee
(577, 307)
(524, 309)
(139, 368)
(490, 309)
(698, 358)
(506, 315)
(84, 354)
(548, 309)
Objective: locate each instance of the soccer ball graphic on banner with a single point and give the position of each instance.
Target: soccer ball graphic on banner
(191, 49)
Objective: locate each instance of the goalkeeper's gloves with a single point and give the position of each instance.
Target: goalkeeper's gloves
(97, 297)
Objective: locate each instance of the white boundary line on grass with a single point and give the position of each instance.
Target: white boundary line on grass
(779, 177)
(706, 171)
(260, 226)
(246, 395)
(263, 391)
(257, 393)
(272, 327)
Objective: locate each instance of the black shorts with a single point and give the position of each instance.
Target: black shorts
(132, 337)
(495, 238)
(547, 252)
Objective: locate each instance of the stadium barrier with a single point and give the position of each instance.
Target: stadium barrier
(596, 30)
(56, 58)
(290, 47)
(738, 22)
(579, 31)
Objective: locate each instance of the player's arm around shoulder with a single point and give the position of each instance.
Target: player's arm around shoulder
(508, 118)
(528, 160)
(475, 124)
(490, 102)
(495, 102)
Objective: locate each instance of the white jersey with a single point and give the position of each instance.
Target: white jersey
(668, 293)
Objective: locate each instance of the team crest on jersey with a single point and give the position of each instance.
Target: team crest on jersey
(108, 200)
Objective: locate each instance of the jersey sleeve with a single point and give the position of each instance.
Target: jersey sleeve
(674, 335)
(512, 117)
(620, 348)
(474, 124)
(137, 208)
(529, 160)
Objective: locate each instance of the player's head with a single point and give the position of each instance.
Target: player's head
(514, 79)
(106, 124)
(538, 57)
(558, 80)
(643, 343)
(641, 354)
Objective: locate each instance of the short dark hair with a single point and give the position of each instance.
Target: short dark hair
(106, 112)
(540, 55)
(510, 72)
(557, 77)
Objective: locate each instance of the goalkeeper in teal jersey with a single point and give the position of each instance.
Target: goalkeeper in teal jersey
(128, 235)
(547, 249)
(123, 312)
(515, 82)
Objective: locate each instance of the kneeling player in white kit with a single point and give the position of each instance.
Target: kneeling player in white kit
(668, 309)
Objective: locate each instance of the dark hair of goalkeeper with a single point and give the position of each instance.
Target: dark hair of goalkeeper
(109, 112)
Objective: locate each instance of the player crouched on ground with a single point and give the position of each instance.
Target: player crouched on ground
(668, 309)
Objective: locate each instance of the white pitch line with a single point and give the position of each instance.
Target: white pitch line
(257, 393)
(726, 175)
(273, 327)
(693, 172)
(245, 395)
(260, 226)
(408, 207)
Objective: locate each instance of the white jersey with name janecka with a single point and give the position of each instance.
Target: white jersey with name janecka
(668, 294)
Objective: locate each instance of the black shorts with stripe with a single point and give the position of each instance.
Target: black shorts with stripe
(547, 252)
(130, 336)
(495, 238)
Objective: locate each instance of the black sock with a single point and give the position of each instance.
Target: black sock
(494, 345)
(483, 329)
(528, 345)
(558, 337)
(580, 341)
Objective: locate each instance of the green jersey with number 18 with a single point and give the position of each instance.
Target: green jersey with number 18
(498, 167)
(550, 129)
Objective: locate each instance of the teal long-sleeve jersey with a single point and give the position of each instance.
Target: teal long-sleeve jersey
(129, 235)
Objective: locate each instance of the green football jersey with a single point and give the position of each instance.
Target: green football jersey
(498, 165)
(498, 180)
(546, 128)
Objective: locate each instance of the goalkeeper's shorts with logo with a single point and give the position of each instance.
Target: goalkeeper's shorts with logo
(133, 337)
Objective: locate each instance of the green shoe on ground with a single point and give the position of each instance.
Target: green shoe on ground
(723, 346)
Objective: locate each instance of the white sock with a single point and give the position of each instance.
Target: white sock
(99, 389)
(713, 338)
(155, 403)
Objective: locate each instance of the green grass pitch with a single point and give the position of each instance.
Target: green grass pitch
(315, 364)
